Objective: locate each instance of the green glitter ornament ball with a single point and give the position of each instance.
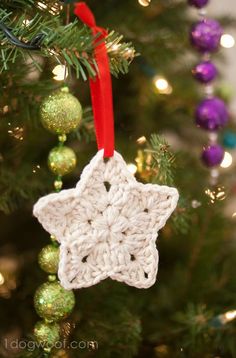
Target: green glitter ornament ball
(49, 258)
(52, 302)
(47, 334)
(61, 112)
(61, 160)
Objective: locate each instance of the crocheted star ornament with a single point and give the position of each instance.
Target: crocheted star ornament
(107, 225)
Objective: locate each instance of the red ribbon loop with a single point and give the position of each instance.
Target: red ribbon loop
(101, 86)
(85, 14)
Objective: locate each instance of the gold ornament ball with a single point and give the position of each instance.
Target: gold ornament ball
(47, 334)
(49, 258)
(61, 112)
(52, 302)
(61, 160)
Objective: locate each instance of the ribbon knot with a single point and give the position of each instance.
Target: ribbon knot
(100, 86)
(85, 14)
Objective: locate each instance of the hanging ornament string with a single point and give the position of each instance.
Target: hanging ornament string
(101, 86)
(211, 113)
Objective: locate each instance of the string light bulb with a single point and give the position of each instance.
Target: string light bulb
(227, 160)
(162, 85)
(230, 315)
(227, 41)
(60, 72)
(144, 3)
(227, 317)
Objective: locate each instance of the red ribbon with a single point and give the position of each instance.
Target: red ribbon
(101, 86)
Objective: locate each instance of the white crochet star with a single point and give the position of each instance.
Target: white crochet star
(107, 226)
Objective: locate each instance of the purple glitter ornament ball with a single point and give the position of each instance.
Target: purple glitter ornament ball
(212, 155)
(198, 3)
(205, 72)
(211, 114)
(205, 35)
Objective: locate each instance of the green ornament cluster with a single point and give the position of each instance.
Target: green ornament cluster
(61, 113)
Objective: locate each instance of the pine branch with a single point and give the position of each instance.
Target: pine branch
(198, 325)
(14, 4)
(162, 160)
(13, 190)
(162, 172)
(71, 44)
(121, 53)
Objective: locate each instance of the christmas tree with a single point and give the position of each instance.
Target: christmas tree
(48, 56)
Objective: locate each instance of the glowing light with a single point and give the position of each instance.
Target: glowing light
(144, 2)
(220, 195)
(214, 173)
(230, 315)
(115, 47)
(234, 215)
(129, 53)
(5, 109)
(217, 194)
(2, 280)
(162, 85)
(195, 204)
(53, 9)
(42, 5)
(141, 140)
(132, 168)
(26, 22)
(36, 168)
(227, 41)
(17, 133)
(227, 161)
(60, 72)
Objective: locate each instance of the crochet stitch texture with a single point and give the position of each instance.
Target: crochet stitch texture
(107, 225)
